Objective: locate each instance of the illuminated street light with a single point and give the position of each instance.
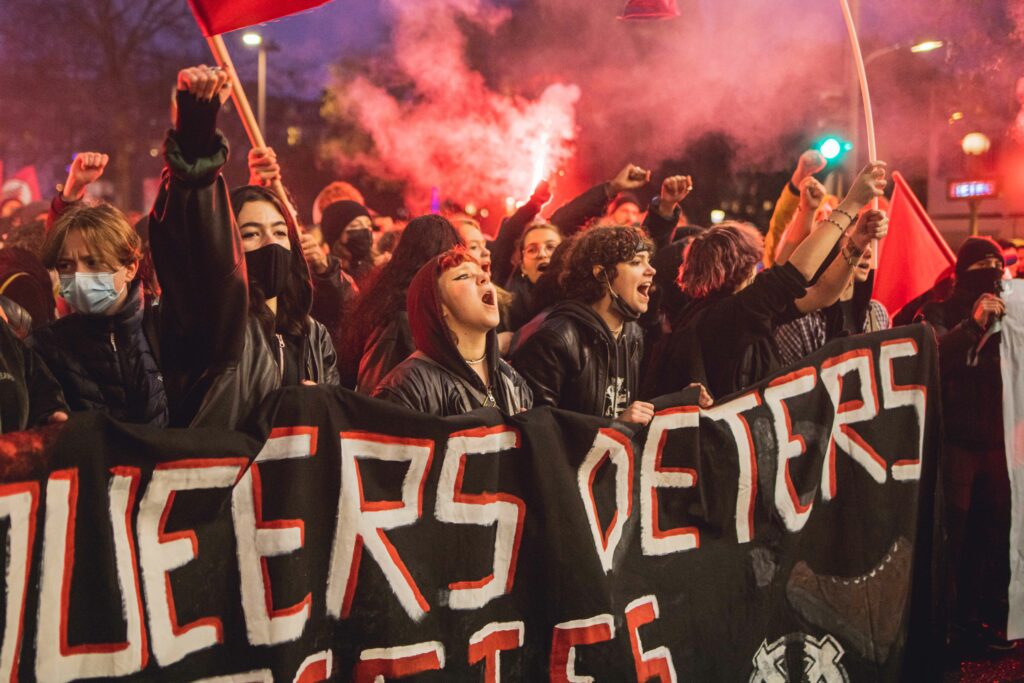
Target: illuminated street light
(927, 46)
(252, 39)
(975, 144)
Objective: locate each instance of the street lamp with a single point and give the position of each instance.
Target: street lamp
(926, 46)
(975, 144)
(916, 48)
(253, 39)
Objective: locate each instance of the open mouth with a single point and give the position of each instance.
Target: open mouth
(488, 297)
(542, 266)
(644, 290)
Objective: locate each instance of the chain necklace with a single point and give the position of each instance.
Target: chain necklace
(476, 361)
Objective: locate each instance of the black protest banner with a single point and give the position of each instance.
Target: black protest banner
(788, 533)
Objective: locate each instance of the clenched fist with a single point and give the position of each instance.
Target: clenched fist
(86, 168)
(204, 81)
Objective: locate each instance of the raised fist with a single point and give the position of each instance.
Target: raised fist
(810, 163)
(631, 177)
(204, 81)
(673, 190)
(811, 194)
(86, 168)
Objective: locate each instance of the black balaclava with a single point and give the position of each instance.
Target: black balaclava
(982, 280)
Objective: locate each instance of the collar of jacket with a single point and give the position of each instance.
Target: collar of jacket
(589, 318)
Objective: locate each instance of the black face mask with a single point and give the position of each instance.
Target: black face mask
(268, 268)
(980, 281)
(358, 243)
(625, 311)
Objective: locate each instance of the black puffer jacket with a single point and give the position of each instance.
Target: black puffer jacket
(29, 394)
(569, 361)
(218, 362)
(436, 379)
(105, 362)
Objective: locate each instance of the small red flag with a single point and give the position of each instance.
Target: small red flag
(221, 16)
(23, 185)
(913, 254)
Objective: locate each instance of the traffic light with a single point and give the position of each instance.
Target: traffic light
(833, 147)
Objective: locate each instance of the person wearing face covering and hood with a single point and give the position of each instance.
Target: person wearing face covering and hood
(234, 323)
(348, 232)
(976, 480)
(453, 313)
(585, 355)
(104, 353)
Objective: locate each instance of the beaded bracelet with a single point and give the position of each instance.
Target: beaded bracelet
(833, 222)
(850, 216)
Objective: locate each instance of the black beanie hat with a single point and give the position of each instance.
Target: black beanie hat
(336, 216)
(976, 249)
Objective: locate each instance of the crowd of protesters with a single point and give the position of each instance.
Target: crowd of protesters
(218, 297)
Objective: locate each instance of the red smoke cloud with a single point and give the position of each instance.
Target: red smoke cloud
(453, 132)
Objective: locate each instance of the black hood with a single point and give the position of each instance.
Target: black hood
(430, 333)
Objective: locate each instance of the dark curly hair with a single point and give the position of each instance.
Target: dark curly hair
(422, 239)
(293, 304)
(605, 247)
(720, 259)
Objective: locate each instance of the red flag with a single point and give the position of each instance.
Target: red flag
(23, 185)
(914, 253)
(221, 16)
(28, 174)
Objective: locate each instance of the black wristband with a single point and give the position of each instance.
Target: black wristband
(792, 188)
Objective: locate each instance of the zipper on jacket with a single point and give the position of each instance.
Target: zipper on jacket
(280, 357)
(113, 343)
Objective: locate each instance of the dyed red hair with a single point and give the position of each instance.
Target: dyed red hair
(720, 259)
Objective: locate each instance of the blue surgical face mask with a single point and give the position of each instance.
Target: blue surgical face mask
(89, 292)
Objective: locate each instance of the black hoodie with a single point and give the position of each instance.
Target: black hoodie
(436, 379)
(574, 362)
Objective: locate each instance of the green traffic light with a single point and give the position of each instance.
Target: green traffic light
(830, 148)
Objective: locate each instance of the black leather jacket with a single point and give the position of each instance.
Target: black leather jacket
(422, 384)
(217, 362)
(569, 360)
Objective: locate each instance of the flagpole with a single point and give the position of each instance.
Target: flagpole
(252, 127)
(869, 120)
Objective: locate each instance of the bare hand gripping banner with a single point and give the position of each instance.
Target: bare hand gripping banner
(789, 533)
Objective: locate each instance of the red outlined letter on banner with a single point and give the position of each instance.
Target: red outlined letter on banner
(505, 511)
(613, 447)
(787, 499)
(653, 475)
(162, 552)
(56, 658)
(898, 396)
(865, 408)
(258, 539)
(361, 523)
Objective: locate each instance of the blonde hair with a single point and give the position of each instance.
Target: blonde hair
(107, 232)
